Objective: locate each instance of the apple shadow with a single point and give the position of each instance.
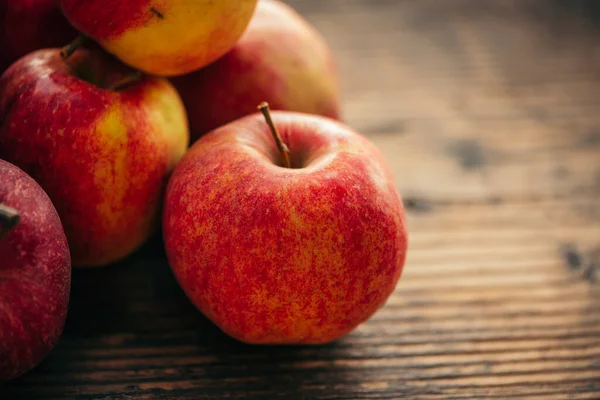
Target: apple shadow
(132, 329)
(138, 294)
(137, 303)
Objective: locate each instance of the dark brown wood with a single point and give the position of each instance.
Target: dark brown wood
(488, 113)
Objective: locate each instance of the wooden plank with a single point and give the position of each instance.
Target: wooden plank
(487, 113)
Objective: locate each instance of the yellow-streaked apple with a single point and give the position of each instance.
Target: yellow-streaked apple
(166, 38)
(100, 143)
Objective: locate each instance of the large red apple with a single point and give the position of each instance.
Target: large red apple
(277, 255)
(166, 38)
(28, 25)
(102, 149)
(280, 58)
(35, 273)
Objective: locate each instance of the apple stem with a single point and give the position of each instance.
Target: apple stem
(283, 149)
(125, 81)
(69, 49)
(9, 218)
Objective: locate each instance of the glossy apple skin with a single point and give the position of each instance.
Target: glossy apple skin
(285, 256)
(280, 59)
(103, 157)
(35, 275)
(29, 25)
(165, 38)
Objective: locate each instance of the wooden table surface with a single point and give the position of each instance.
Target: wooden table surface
(489, 114)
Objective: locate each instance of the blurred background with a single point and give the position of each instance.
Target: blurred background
(464, 79)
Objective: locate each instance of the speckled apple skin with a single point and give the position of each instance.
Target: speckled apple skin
(35, 275)
(29, 25)
(281, 59)
(285, 256)
(162, 37)
(103, 157)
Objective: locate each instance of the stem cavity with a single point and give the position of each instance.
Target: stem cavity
(9, 218)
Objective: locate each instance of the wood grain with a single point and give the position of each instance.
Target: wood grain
(488, 113)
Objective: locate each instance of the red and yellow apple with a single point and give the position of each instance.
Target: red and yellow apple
(166, 38)
(35, 273)
(101, 148)
(276, 255)
(280, 58)
(29, 25)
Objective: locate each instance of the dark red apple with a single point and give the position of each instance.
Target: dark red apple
(35, 273)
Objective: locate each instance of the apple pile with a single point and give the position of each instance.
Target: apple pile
(281, 227)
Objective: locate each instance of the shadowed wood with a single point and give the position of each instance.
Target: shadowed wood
(488, 113)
